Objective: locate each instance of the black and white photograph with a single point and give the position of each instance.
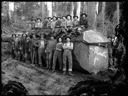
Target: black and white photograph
(75, 48)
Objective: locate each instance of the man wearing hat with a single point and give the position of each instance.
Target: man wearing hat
(49, 22)
(63, 24)
(38, 25)
(69, 24)
(53, 24)
(45, 23)
(75, 21)
(83, 20)
(67, 55)
(58, 26)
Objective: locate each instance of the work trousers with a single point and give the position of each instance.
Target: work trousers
(57, 55)
(41, 55)
(27, 57)
(49, 59)
(67, 55)
(35, 56)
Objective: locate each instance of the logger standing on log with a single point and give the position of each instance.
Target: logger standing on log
(75, 21)
(63, 24)
(67, 55)
(69, 24)
(58, 55)
(83, 20)
(49, 22)
(38, 25)
(45, 23)
(53, 24)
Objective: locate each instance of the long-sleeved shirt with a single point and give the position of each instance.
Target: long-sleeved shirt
(49, 24)
(45, 23)
(83, 21)
(53, 24)
(58, 23)
(68, 45)
(63, 24)
(38, 25)
(51, 45)
(59, 46)
(75, 23)
(69, 23)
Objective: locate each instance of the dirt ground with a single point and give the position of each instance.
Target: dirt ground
(39, 81)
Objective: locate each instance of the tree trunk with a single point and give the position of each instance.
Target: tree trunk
(42, 9)
(118, 12)
(72, 8)
(49, 6)
(103, 16)
(96, 13)
(78, 9)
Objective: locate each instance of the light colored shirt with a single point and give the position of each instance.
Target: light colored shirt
(41, 43)
(68, 45)
(69, 23)
(39, 25)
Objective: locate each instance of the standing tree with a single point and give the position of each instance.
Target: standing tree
(78, 9)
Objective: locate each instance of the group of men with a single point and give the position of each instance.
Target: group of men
(35, 49)
(56, 23)
(44, 52)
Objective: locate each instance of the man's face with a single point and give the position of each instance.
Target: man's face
(39, 20)
(64, 18)
(69, 17)
(75, 18)
(68, 39)
(58, 18)
(42, 36)
(52, 37)
(60, 40)
(83, 16)
(54, 18)
(49, 19)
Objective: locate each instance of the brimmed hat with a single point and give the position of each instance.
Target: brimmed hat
(84, 14)
(49, 17)
(75, 16)
(54, 17)
(58, 17)
(68, 15)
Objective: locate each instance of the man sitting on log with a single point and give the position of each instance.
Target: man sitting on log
(67, 55)
(83, 20)
(69, 24)
(53, 24)
(57, 26)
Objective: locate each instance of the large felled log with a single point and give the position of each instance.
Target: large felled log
(87, 53)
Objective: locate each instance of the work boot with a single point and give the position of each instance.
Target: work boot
(64, 73)
(70, 73)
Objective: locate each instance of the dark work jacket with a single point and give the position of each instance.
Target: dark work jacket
(45, 23)
(58, 23)
(84, 22)
(27, 46)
